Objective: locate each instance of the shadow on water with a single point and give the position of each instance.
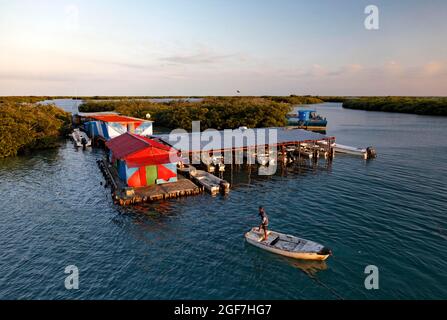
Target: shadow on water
(145, 213)
(47, 156)
(309, 268)
(147, 226)
(147, 217)
(244, 176)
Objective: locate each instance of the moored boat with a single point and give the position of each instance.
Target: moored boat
(366, 153)
(288, 246)
(80, 138)
(209, 182)
(308, 120)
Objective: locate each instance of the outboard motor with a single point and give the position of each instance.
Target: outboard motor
(84, 142)
(325, 251)
(371, 153)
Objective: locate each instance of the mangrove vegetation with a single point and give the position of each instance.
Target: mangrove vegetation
(216, 112)
(435, 106)
(25, 127)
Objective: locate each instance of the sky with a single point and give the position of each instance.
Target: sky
(219, 47)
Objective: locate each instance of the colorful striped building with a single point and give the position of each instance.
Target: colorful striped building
(109, 126)
(141, 161)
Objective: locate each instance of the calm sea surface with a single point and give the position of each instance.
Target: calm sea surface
(390, 212)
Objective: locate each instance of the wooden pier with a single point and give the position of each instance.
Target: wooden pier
(305, 143)
(290, 148)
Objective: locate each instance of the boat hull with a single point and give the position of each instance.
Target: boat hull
(253, 238)
(307, 120)
(308, 128)
(308, 125)
(80, 145)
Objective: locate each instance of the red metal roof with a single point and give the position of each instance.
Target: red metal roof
(116, 118)
(141, 151)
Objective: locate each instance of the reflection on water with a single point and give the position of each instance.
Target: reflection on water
(311, 268)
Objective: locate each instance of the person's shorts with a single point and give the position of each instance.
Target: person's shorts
(264, 226)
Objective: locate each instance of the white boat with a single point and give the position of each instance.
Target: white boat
(80, 138)
(287, 245)
(366, 153)
(263, 159)
(218, 162)
(306, 153)
(209, 182)
(266, 159)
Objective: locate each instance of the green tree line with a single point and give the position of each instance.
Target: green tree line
(435, 106)
(24, 99)
(25, 127)
(216, 112)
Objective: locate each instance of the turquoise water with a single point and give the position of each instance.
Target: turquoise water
(390, 212)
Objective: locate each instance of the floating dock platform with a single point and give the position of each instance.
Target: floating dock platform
(182, 187)
(124, 195)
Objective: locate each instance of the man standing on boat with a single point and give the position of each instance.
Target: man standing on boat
(264, 222)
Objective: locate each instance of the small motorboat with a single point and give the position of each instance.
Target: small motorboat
(210, 182)
(80, 139)
(366, 153)
(287, 245)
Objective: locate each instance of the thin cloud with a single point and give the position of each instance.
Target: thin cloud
(201, 58)
(434, 68)
(350, 69)
(47, 76)
(390, 68)
(126, 65)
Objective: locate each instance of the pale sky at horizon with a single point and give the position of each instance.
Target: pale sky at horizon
(216, 47)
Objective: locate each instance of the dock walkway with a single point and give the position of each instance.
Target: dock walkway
(241, 140)
(183, 187)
